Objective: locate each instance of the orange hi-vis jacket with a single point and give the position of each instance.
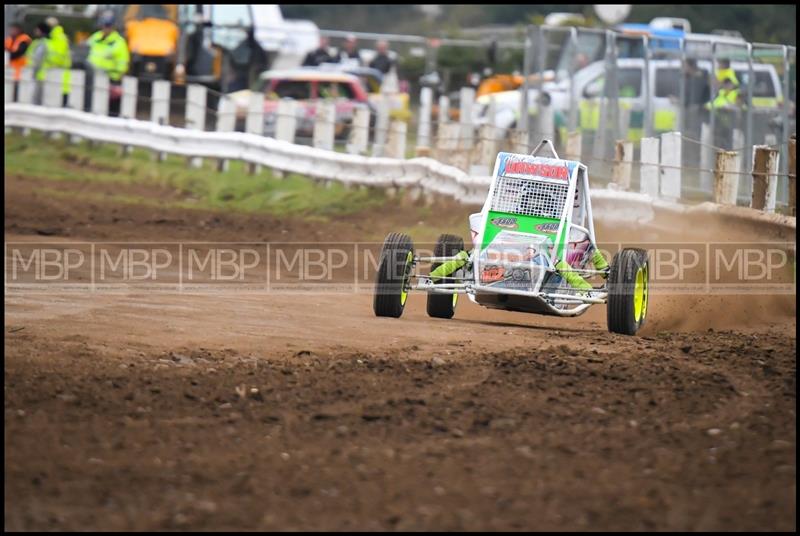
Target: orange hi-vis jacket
(16, 48)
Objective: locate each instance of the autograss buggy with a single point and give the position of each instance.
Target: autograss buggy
(534, 249)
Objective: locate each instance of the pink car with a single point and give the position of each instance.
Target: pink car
(307, 87)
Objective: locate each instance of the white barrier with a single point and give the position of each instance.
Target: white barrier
(423, 174)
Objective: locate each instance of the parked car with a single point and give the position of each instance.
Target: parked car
(306, 86)
(372, 80)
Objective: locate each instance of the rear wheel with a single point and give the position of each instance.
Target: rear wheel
(394, 268)
(444, 305)
(628, 282)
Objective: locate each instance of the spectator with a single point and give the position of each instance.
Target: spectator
(36, 57)
(318, 56)
(350, 52)
(108, 53)
(17, 43)
(698, 91)
(381, 61)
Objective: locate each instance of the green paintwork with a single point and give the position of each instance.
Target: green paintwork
(525, 224)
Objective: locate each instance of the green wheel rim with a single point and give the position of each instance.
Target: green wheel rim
(404, 292)
(640, 294)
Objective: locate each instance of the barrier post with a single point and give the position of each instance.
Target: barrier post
(519, 141)
(623, 163)
(381, 128)
(77, 82)
(574, 145)
(226, 122)
(649, 172)
(130, 90)
(424, 127)
(100, 86)
(9, 87)
(52, 97)
(444, 110)
(254, 123)
(792, 170)
(54, 79)
(726, 178)
(488, 147)
(127, 107)
(324, 125)
(466, 103)
(159, 108)
(670, 165)
(706, 157)
(765, 178)
(396, 144)
(286, 122)
(195, 119)
(26, 87)
(358, 141)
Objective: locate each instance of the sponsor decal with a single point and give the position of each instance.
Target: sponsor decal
(539, 170)
(550, 228)
(506, 223)
(491, 274)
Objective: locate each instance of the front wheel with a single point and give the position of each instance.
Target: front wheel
(444, 305)
(394, 269)
(628, 282)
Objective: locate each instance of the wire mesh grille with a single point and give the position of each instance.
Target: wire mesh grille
(529, 197)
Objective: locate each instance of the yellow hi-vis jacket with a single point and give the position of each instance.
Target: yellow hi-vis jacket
(109, 53)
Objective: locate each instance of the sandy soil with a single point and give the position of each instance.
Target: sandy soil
(231, 409)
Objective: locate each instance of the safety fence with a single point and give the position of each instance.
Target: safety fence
(656, 166)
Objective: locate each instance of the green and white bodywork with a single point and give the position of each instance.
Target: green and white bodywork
(534, 248)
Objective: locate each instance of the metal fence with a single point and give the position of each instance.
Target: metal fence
(586, 89)
(611, 86)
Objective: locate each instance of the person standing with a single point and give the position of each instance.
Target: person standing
(36, 58)
(349, 53)
(697, 94)
(318, 56)
(17, 44)
(108, 53)
(59, 56)
(381, 61)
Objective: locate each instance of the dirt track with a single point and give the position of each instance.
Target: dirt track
(162, 410)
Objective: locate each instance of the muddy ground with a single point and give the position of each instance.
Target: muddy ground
(214, 410)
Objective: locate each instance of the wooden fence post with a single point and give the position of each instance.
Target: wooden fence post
(623, 163)
(574, 145)
(792, 174)
(765, 179)
(726, 178)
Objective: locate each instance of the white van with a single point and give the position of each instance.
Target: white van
(664, 84)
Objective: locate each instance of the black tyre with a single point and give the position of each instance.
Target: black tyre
(444, 305)
(628, 282)
(394, 268)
